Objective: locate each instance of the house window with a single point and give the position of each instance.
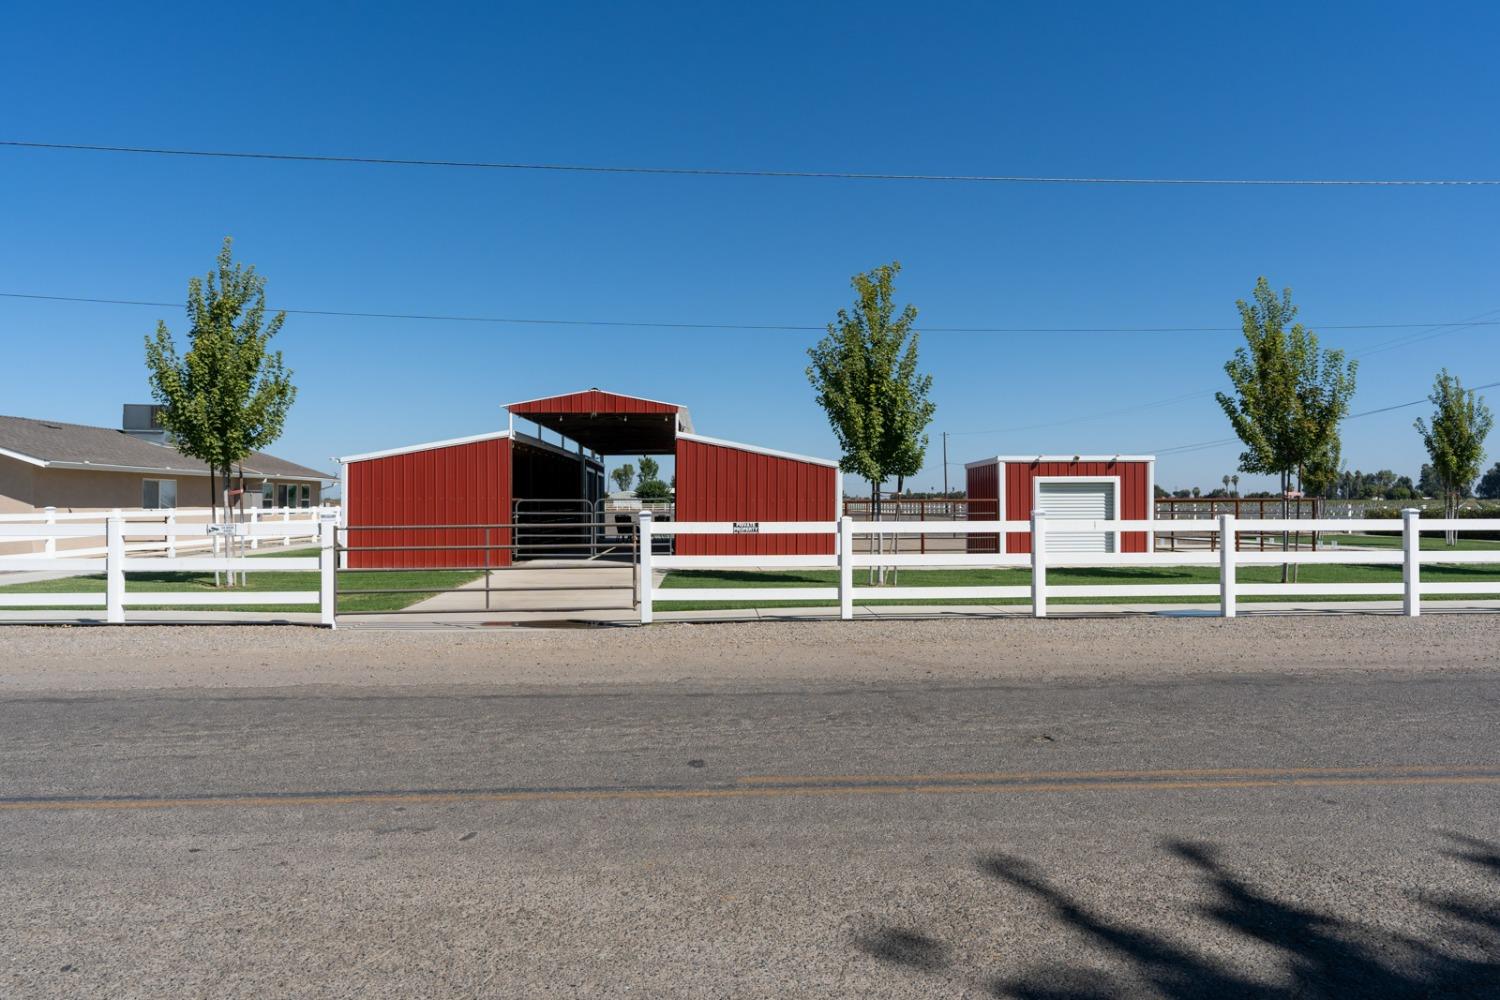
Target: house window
(267, 495)
(306, 496)
(158, 494)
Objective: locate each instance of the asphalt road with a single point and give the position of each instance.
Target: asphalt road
(1252, 836)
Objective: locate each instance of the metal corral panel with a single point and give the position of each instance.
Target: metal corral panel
(721, 481)
(454, 484)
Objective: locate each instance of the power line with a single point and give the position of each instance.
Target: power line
(783, 174)
(553, 321)
(1443, 329)
(1183, 449)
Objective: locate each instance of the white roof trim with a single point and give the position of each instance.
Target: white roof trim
(594, 388)
(1028, 459)
(429, 446)
(28, 459)
(738, 446)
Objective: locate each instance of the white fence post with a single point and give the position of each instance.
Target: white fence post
(1411, 561)
(286, 517)
(645, 543)
(254, 520)
(1227, 597)
(171, 532)
(846, 567)
(1038, 564)
(114, 569)
(326, 568)
(49, 547)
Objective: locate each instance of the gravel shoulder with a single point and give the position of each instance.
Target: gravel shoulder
(35, 659)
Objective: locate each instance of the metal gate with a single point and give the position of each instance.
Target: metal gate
(549, 556)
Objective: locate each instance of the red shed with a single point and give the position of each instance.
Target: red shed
(1107, 487)
(410, 496)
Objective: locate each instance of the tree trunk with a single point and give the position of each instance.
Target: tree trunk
(1286, 484)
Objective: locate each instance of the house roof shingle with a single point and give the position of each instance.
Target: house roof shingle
(55, 444)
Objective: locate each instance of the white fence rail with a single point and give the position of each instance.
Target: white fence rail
(1040, 559)
(115, 562)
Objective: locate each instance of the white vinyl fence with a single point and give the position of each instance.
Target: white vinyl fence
(848, 557)
(162, 539)
(116, 561)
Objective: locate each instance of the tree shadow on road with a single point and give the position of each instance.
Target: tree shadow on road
(1319, 955)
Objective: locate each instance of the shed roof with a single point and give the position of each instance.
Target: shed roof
(610, 423)
(52, 444)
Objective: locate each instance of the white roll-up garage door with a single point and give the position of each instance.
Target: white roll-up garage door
(1084, 498)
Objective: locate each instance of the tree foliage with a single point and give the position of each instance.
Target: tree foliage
(228, 395)
(1489, 484)
(865, 374)
(623, 476)
(650, 486)
(1455, 438)
(1289, 394)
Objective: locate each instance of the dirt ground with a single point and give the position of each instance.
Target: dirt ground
(39, 658)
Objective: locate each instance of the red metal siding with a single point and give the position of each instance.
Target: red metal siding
(718, 483)
(459, 484)
(1135, 500)
(593, 401)
(984, 503)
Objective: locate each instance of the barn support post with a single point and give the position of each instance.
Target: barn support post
(846, 567)
(1038, 564)
(1411, 562)
(645, 566)
(1227, 596)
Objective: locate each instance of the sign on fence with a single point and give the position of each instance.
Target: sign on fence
(747, 527)
(228, 528)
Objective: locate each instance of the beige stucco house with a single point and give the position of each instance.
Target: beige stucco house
(73, 467)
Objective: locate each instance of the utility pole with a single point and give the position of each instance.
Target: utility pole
(945, 463)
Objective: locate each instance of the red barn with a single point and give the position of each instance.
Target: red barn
(1106, 487)
(442, 494)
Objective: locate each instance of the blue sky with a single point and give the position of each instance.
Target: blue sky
(1173, 90)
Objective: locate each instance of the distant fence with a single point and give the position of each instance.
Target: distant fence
(1227, 556)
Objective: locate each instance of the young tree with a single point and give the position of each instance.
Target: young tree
(865, 374)
(227, 396)
(1455, 439)
(650, 486)
(623, 476)
(1489, 484)
(1289, 394)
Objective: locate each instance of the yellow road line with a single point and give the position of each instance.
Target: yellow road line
(913, 787)
(1214, 772)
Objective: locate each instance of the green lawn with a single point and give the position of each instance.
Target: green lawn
(349, 585)
(1098, 576)
(1430, 543)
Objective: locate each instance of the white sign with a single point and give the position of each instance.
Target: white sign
(224, 529)
(747, 527)
(328, 514)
